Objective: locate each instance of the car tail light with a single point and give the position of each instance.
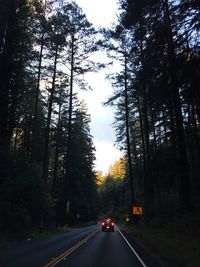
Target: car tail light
(103, 223)
(112, 224)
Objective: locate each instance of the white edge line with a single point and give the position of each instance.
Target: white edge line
(136, 254)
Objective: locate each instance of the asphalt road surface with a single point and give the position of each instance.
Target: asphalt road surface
(82, 247)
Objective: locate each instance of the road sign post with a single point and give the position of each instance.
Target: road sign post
(137, 214)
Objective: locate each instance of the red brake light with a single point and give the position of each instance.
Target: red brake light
(112, 224)
(103, 223)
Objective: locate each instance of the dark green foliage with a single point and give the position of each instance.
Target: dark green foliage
(82, 176)
(36, 54)
(162, 49)
(21, 193)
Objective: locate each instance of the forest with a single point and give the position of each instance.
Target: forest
(156, 98)
(47, 170)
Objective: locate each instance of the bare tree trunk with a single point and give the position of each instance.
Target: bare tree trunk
(45, 170)
(47, 131)
(67, 194)
(132, 141)
(148, 182)
(128, 134)
(153, 130)
(164, 125)
(55, 169)
(37, 93)
(148, 177)
(142, 134)
(4, 16)
(6, 58)
(185, 184)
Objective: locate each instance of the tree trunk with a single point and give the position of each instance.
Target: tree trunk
(148, 177)
(37, 93)
(47, 131)
(55, 169)
(128, 134)
(142, 134)
(153, 130)
(4, 16)
(184, 185)
(164, 126)
(6, 61)
(148, 182)
(67, 194)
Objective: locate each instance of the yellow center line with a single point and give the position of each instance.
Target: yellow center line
(69, 251)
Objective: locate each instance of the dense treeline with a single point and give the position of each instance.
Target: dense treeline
(157, 101)
(111, 191)
(46, 151)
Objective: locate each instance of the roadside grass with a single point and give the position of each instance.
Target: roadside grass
(39, 233)
(177, 243)
(84, 224)
(48, 232)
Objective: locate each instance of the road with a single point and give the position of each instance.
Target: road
(82, 247)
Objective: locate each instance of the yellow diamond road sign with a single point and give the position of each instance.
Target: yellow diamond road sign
(137, 210)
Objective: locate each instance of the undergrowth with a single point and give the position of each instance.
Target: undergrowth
(176, 243)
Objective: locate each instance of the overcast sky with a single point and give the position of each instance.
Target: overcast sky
(101, 13)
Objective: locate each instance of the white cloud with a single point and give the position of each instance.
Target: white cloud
(99, 12)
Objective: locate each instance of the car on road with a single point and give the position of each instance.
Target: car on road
(108, 225)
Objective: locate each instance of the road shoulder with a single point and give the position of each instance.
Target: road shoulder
(148, 255)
